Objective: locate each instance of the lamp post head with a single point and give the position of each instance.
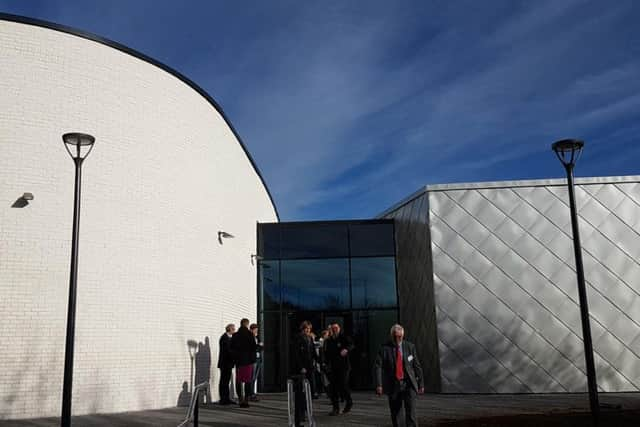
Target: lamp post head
(192, 345)
(78, 144)
(568, 151)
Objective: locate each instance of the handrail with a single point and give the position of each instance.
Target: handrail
(194, 404)
(291, 400)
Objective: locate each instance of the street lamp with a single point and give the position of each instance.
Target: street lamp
(568, 151)
(79, 146)
(193, 349)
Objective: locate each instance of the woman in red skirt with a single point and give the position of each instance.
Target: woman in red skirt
(243, 347)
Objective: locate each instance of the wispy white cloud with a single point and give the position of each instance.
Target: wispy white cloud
(347, 107)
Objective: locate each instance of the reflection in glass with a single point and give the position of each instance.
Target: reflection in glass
(269, 241)
(373, 282)
(326, 272)
(370, 331)
(270, 334)
(270, 284)
(314, 241)
(320, 284)
(372, 239)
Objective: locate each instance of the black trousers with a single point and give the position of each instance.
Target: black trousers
(300, 399)
(223, 386)
(405, 395)
(339, 386)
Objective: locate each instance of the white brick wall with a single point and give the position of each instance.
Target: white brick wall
(165, 175)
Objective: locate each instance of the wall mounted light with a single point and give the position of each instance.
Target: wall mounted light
(224, 235)
(23, 200)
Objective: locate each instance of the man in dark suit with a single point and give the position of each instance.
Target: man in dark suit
(338, 350)
(399, 376)
(225, 364)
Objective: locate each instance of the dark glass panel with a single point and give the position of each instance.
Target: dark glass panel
(373, 282)
(272, 373)
(372, 239)
(269, 240)
(370, 331)
(318, 284)
(314, 241)
(270, 285)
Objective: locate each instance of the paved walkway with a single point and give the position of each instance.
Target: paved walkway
(368, 411)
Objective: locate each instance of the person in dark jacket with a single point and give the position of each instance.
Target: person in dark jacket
(303, 355)
(257, 367)
(322, 379)
(225, 364)
(243, 348)
(399, 376)
(337, 351)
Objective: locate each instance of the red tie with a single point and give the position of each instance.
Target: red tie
(399, 368)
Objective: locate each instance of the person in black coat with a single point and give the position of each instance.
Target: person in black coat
(303, 355)
(257, 367)
(225, 364)
(399, 376)
(243, 348)
(337, 352)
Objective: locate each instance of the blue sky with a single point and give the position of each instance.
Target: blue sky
(347, 107)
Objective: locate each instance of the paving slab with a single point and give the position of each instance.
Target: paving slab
(370, 411)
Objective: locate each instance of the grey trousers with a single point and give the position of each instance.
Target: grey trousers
(405, 396)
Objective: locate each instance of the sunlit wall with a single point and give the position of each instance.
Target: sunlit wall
(166, 174)
(505, 284)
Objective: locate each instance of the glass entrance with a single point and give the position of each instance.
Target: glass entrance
(326, 272)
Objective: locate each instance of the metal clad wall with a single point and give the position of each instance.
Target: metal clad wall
(506, 293)
(415, 285)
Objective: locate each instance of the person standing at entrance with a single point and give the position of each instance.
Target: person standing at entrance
(338, 350)
(302, 356)
(399, 376)
(243, 347)
(257, 367)
(225, 364)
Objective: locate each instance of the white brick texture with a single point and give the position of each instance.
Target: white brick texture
(166, 174)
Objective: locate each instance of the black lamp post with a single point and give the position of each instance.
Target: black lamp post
(568, 151)
(78, 145)
(193, 347)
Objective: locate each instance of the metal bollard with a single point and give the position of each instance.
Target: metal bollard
(291, 404)
(309, 402)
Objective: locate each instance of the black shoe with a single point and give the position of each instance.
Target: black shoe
(254, 398)
(334, 412)
(347, 408)
(244, 405)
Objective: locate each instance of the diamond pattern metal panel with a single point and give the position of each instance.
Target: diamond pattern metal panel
(506, 292)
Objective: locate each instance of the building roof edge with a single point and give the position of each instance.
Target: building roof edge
(125, 49)
(507, 184)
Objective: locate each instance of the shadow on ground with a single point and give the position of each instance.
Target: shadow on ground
(611, 419)
(441, 410)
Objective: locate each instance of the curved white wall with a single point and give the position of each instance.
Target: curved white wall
(166, 174)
